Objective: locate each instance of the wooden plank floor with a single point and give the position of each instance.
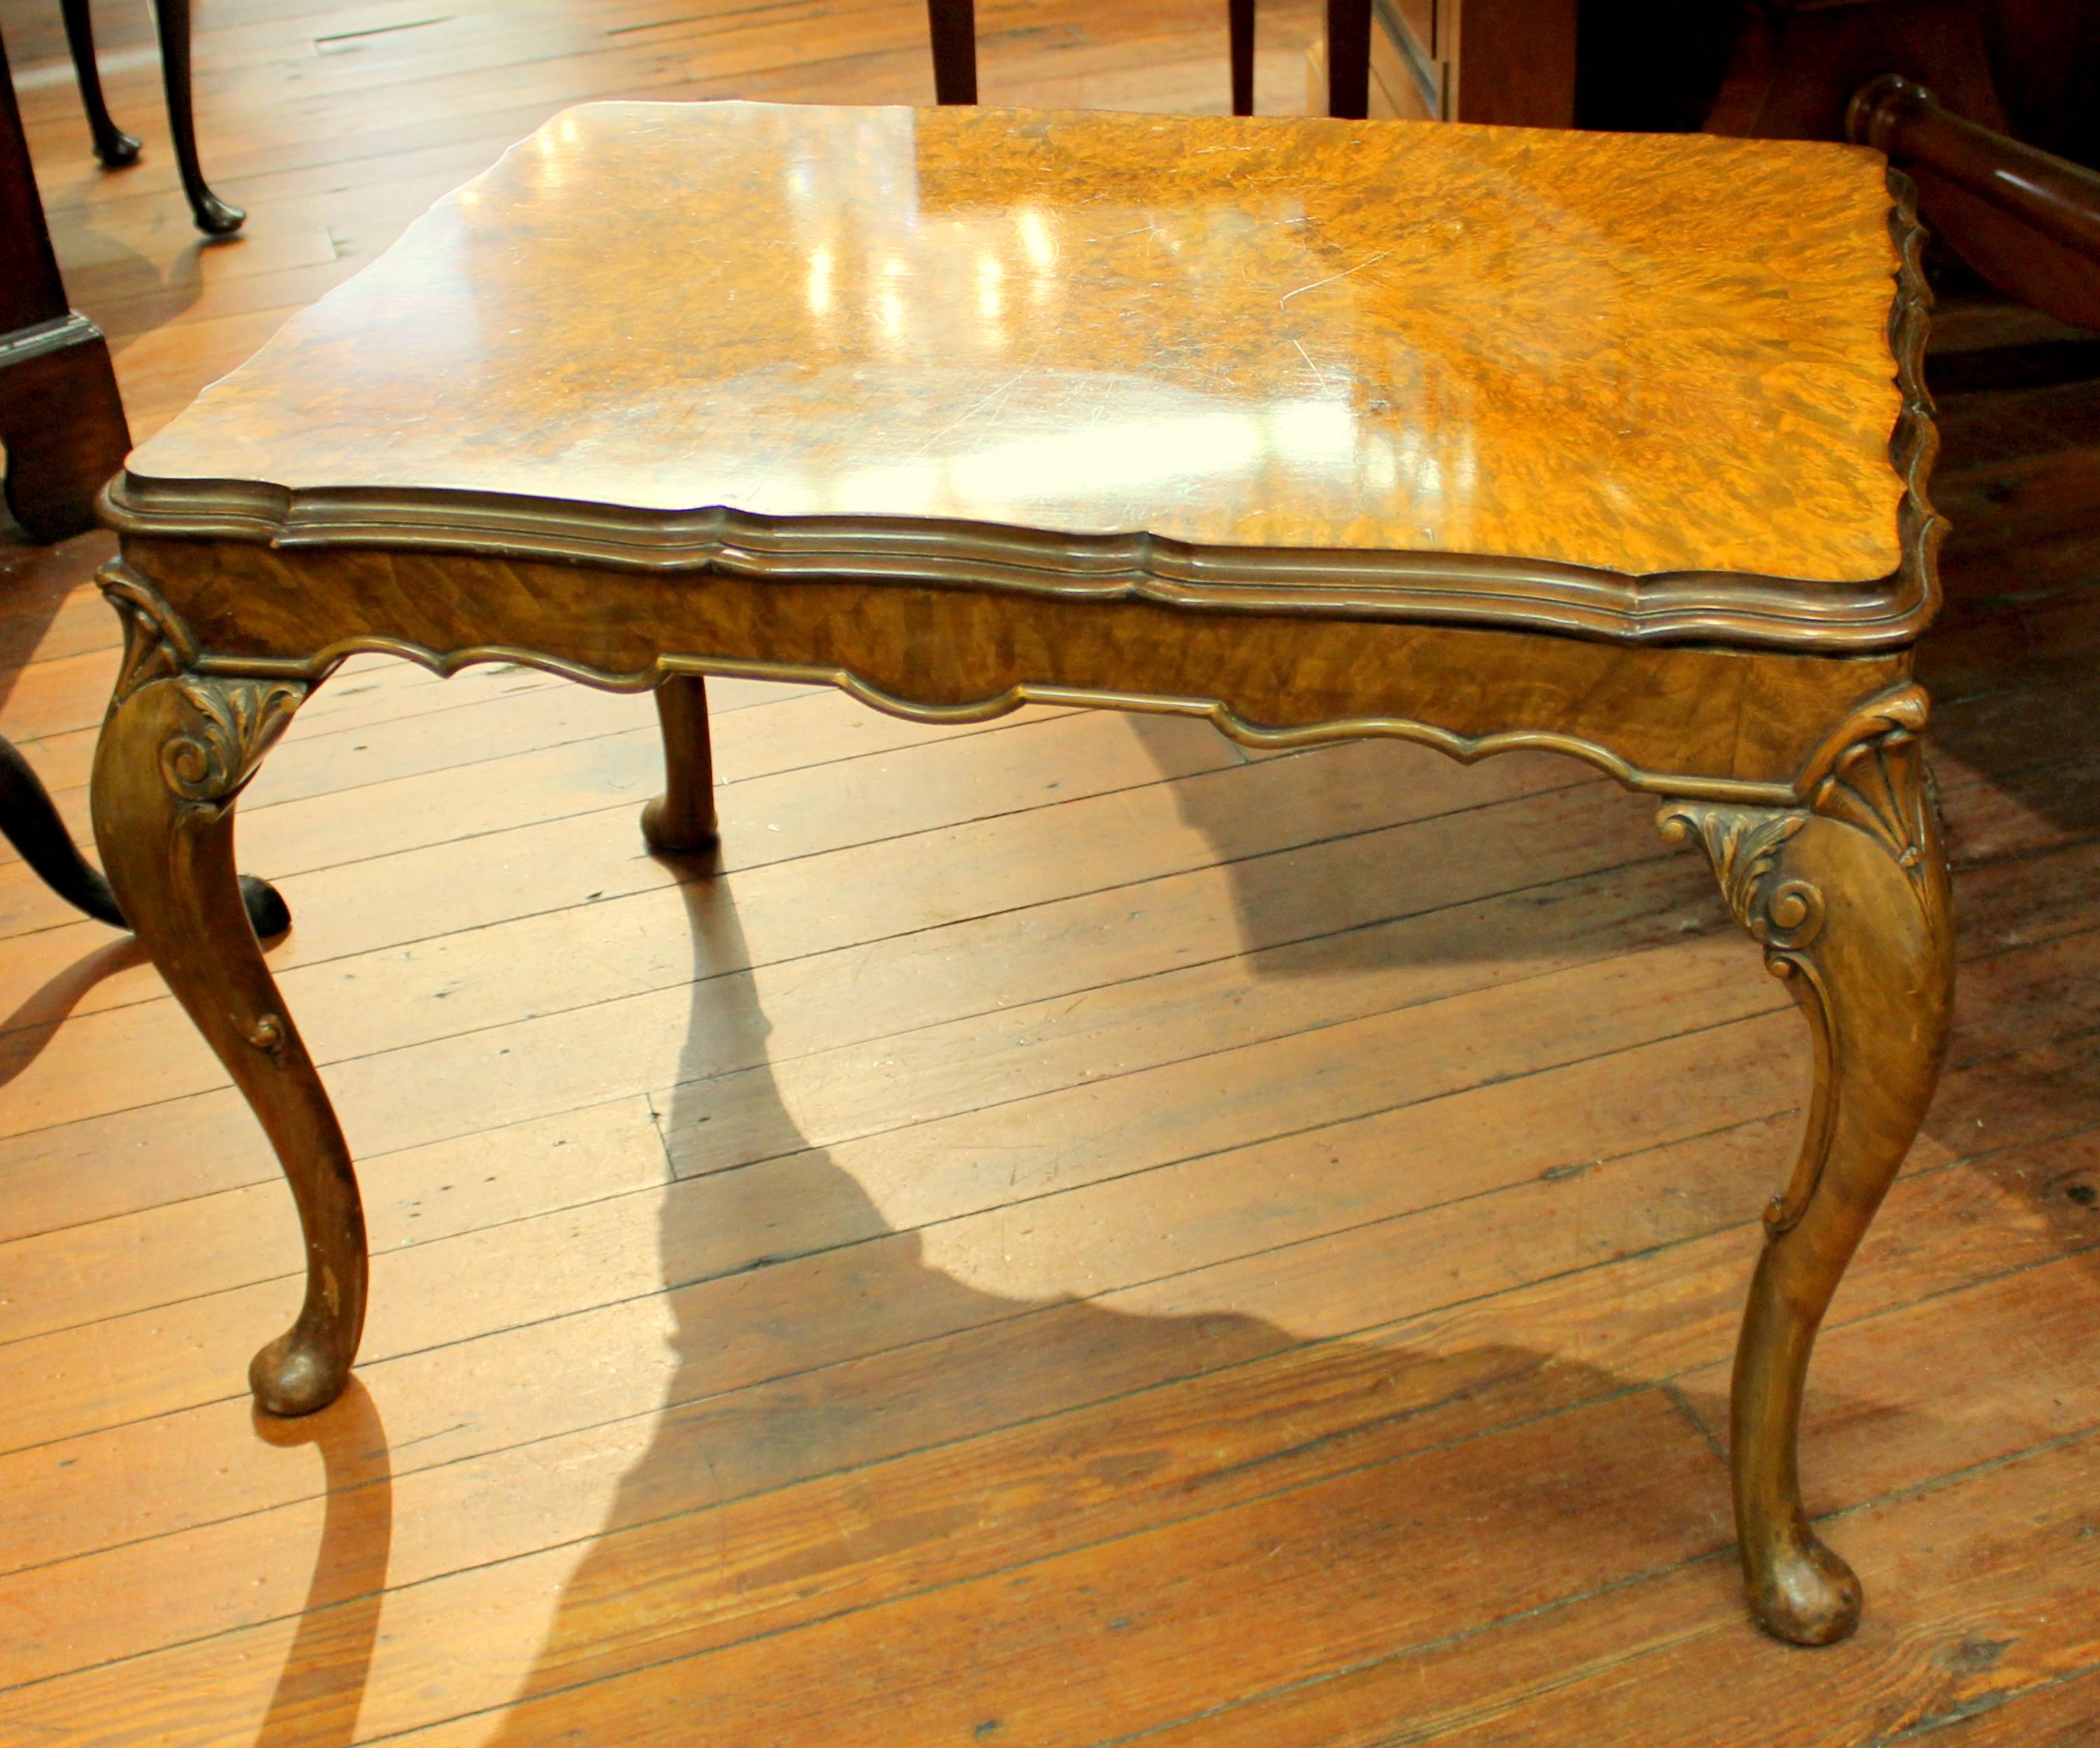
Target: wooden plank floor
(1083, 1235)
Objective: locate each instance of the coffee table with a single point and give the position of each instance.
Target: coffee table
(1484, 438)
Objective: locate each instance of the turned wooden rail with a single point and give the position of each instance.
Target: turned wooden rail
(2057, 197)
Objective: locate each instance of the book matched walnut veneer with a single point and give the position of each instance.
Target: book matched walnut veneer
(1480, 438)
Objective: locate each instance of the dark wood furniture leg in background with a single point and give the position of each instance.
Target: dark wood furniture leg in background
(215, 217)
(29, 822)
(114, 146)
(952, 25)
(1349, 57)
(1239, 20)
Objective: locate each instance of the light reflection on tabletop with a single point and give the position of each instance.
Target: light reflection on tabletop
(1644, 355)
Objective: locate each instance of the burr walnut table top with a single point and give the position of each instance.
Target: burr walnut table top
(1627, 386)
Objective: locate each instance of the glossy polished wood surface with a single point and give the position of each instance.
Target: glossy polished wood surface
(1640, 354)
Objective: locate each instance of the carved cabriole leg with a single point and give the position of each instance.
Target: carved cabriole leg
(682, 820)
(1848, 897)
(176, 749)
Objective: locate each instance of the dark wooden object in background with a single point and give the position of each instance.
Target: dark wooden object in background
(1239, 41)
(1998, 149)
(2037, 230)
(113, 145)
(951, 25)
(61, 422)
(63, 427)
(115, 148)
(1739, 645)
(29, 822)
(1901, 117)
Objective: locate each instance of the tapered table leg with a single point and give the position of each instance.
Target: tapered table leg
(1849, 898)
(175, 752)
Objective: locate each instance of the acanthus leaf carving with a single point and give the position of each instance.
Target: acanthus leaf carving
(1870, 774)
(158, 646)
(1745, 845)
(1879, 786)
(234, 722)
(1785, 915)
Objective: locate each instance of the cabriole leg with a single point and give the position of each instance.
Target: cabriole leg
(113, 145)
(215, 217)
(682, 820)
(176, 749)
(1848, 897)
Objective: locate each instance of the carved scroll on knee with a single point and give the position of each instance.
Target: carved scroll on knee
(226, 724)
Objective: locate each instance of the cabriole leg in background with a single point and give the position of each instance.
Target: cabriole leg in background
(682, 820)
(175, 752)
(215, 217)
(28, 820)
(1848, 897)
(114, 146)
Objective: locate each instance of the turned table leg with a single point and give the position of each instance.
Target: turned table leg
(1848, 897)
(175, 752)
(682, 820)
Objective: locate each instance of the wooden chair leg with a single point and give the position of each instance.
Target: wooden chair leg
(1239, 21)
(1349, 57)
(29, 822)
(114, 148)
(1849, 898)
(215, 217)
(682, 820)
(952, 27)
(175, 752)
